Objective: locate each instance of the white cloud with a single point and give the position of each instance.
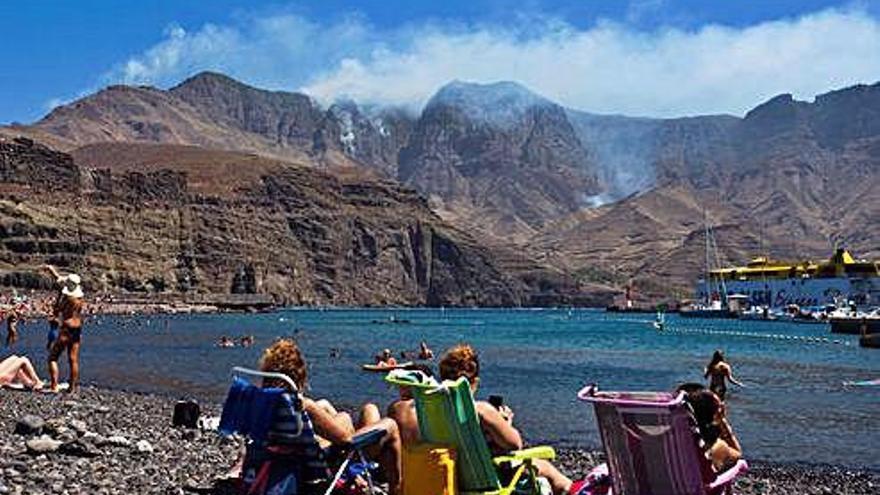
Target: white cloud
(610, 68)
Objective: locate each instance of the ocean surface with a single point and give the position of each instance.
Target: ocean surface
(794, 407)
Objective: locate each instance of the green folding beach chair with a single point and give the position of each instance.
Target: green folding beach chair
(447, 415)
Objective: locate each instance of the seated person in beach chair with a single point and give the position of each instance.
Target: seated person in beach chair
(654, 444)
(403, 410)
(717, 438)
(18, 372)
(294, 438)
(488, 447)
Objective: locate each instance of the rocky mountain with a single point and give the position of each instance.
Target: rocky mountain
(497, 155)
(568, 202)
(154, 218)
(214, 111)
(791, 178)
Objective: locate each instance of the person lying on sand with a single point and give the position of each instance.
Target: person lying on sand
(18, 370)
(334, 427)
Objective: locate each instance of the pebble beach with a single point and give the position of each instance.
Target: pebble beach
(107, 441)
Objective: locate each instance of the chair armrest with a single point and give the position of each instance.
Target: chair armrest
(727, 477)
(368, 438)
(543, 452)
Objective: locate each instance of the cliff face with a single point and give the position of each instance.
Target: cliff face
(791, 178)
(565, 199)
(214, 111)
(497, 155)
(291, 231)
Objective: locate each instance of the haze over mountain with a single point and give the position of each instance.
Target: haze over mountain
(602, 198)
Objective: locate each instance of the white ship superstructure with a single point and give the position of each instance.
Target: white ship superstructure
(777, 284)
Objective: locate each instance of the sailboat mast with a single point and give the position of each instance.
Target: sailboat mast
(708, 276)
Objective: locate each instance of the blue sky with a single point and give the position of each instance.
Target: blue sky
(646, 57)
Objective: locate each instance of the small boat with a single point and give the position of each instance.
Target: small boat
(760, 313)
(863, 383)
(856, 322)
(381, 368)
(713, 309)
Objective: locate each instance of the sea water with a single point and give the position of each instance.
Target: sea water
(794, 406)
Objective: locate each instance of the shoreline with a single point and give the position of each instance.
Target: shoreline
(117, 441)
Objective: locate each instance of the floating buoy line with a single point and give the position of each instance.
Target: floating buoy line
(766, 336)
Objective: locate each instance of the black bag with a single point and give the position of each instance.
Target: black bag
(186, 413)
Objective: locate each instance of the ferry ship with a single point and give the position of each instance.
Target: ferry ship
(776, 284)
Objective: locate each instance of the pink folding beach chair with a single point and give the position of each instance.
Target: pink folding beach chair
(652, 445)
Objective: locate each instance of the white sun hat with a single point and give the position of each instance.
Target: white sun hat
(72, 286)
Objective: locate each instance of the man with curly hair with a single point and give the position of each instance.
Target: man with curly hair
(497, 422)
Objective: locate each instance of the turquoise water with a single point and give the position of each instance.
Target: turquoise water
(793, 409)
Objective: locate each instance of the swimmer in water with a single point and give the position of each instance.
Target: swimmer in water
(425, 352)
(386, 358)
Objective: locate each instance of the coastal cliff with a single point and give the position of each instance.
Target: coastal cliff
(161, 218)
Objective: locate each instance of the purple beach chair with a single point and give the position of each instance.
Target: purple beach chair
(652, 445)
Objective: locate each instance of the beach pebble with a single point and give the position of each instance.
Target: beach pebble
(80, 448)
(95, 438)
(55, 427)
(117, 441)
(191, 435)
(66, 436)
(42, 445)
(19, 466)
(29, 424)
(144, 447)
(79, 426)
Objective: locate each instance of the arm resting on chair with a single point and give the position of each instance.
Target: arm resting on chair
(728, 476)
(543, 452)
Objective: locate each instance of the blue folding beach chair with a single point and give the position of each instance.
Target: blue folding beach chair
(283, 456)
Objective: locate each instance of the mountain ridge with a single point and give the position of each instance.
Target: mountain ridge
(512, 166)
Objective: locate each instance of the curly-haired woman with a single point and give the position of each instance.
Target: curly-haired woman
(331, 426)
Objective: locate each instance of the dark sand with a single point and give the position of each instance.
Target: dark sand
(186, 461)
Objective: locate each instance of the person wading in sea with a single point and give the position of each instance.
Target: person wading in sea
(719, 372)
(68, 311)
(11, 327)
